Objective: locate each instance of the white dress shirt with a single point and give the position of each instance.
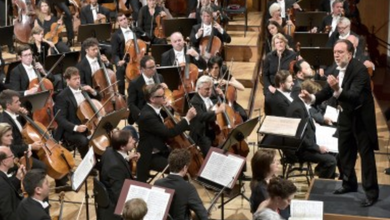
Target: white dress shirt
(127, 33)
(93, 63)
(95, 11)
(77, 95)
(30, 72)
(148, 81)
(180, 56)
(15, 119)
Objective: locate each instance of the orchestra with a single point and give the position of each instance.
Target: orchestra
(173, 130)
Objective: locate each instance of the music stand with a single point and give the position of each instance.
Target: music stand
(310, 5)
(35, 101)
(169, 73)
(318, 56)
(70, 59)
(311, 39)
(309, 19)
(101, 32)
(182, 25)
(108, 122)
(158, 50)
(6, 32)
(11, 66)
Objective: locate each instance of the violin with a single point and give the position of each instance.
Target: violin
(136, 48)
(210, 46)
(177, 7)
(55, 30)
(22, 161)
(158, 30)
(25, 20)
(59, 160)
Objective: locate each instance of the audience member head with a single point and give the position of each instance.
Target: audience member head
(36, 184)
(281, 192)
(204, 86)
(284, 81)
(264, 166)
(134, 209)
(179, 160)
(5, 134)
(10, 101)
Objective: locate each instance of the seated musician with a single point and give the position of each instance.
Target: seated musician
(115, 168)
(201, 131)
(147, 21)
(91, 62)
(186, 197)
(275, 12)
(216, 70)
(302, 71)
(67, 102)
(277, 103)
(216, 11)
(118, 42)
(326, 5)
(177, 55)
(46, 19)
(342, 32)
(10, 185)
(274, 28)
(329, 22)
(149, 76)
(25, 72)
(310, 150)
(153, 132)
(359, 54)
(94, 13)
(135, 209)
(284, 5)
(35, 206)
(206, 27)
(39, 46)
(67, 19)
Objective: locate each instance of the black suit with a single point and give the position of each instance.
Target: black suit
(86, 72)
(325, 6)
(31, 209)
(2, 74)
(327, 20)
(153, 133)
(136, 100)
(335, 37)
(186, 198)
(277, 103)
(115, 169)
(86, 15)
(357, 127)
(225, 37)
(168, 58)
(9, 197)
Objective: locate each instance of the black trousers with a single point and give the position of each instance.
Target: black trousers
(67, 19)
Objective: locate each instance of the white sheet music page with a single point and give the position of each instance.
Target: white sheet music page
(280, 125)
(306, 210)
(83, 169)
(324, 137)
(332, 113)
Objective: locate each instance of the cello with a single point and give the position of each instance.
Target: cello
(25, 21)
(210, 45)
(177, 7)
(136, 48)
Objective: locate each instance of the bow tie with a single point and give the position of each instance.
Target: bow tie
(127, 31)
(342, 68)
(93, 61)
(94, 8)
(77, 91)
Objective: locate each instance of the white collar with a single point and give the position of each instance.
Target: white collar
(146, 79)
(74, 91)
(43, 204)
(176, 52)
(308, 106)
(28, 67)
(287, 94)
(125, 29)
(13, 115)
(97, 7)
(124, 155)
(205, 99)
(345, 37)
(90, 60)
(157, 110)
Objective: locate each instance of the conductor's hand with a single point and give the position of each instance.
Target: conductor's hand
(191, 113)
(306, 96)
(333, 82)
(81, 128)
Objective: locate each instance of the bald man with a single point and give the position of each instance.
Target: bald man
(359, 54)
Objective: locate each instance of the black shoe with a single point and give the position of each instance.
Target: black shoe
(65, 188)
(368, 202)
(343, 190)
(69, 43)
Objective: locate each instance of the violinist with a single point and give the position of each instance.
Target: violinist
(118, 41)
(201, 130)
(147, 21)
(149, 76)
(153, 132)
(10, 185)
(25, 72)
(272, 28)
(35, 206)
(275, 12)
(284, 5)
(177, 55)
(329, 22)
(326, 5)
(90, 63)
(39, 46)
(206, 27)
(67, 102)
(94, 13)
(116, 169)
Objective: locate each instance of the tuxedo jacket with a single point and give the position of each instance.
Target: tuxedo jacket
(31, 209)
(9, 197)
(136, 100)
(118, 43)
(335, 37)
(18, 146)
(278, 104)
(86, 72)
(225, 37)
(327, 20)
(186, 198)
(86, 16)
(168, 58)
(325, 6)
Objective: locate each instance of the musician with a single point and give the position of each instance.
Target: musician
(343, 31)
(302, 71)
(359, 54)
(331, 20)
(2, 74)
(39, 46)
(25, 72)
(118, 42)
(326, 5)
(206, 27)
(217, 11)
(186, 197)
(94, 13)
(91, 62)
(147, 21)
(275, 12)
(35, 206)
(10, 185)
(149, 76)
(135, 209)
(273, 28)
(177, 55)
(284, 5)
(153, 132)
(67, 102)
(201, 131)
(277, 103)
(116, 169)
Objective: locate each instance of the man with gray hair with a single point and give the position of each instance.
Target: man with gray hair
(342, 31)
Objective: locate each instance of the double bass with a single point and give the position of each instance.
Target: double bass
(25, 20)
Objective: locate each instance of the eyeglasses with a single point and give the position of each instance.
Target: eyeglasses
(11, 156)
(150, 67)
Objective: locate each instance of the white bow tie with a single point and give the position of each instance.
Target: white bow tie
(94, 8)
(342, 68)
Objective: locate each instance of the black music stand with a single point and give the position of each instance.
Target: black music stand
(158, 50)
(182, 25)
(309, 19)
(108, 122)
(311, 39)
(70, 59)
(318, 56)
(35, 101)
(169, 73)
(310, 5)
(101, 32)
(6, 32)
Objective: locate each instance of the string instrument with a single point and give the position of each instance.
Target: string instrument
(210, 45)
(101, 20)
(59, 160)
(289, 29)
(61, 197)
(75, 10)
(158, 30)
(55, 30)
(136, 48)
(90, 112)
(293, 62)
(177, 7)
(123, 8)
(22, 161)
(25, 20)
(104, 80)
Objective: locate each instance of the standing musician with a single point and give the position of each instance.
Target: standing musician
(116, 168)
(10, 185)
(118, 42)
(147, 21)
(186, 197)
(201, 131)
(94, 13)
(67, 20)
(35, 206)
(25, 72)
(177, 55)
(149, 76)
(206, 27)
(90, 63)
(153, 132)
(67, 102)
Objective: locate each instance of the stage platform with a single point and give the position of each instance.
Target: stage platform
(347, 206)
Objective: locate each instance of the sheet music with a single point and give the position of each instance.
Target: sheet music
(221, 168)
(280, 125)
(83, 169)
(156, 199)
(332, 113)
(324, 137)
(306, 210)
